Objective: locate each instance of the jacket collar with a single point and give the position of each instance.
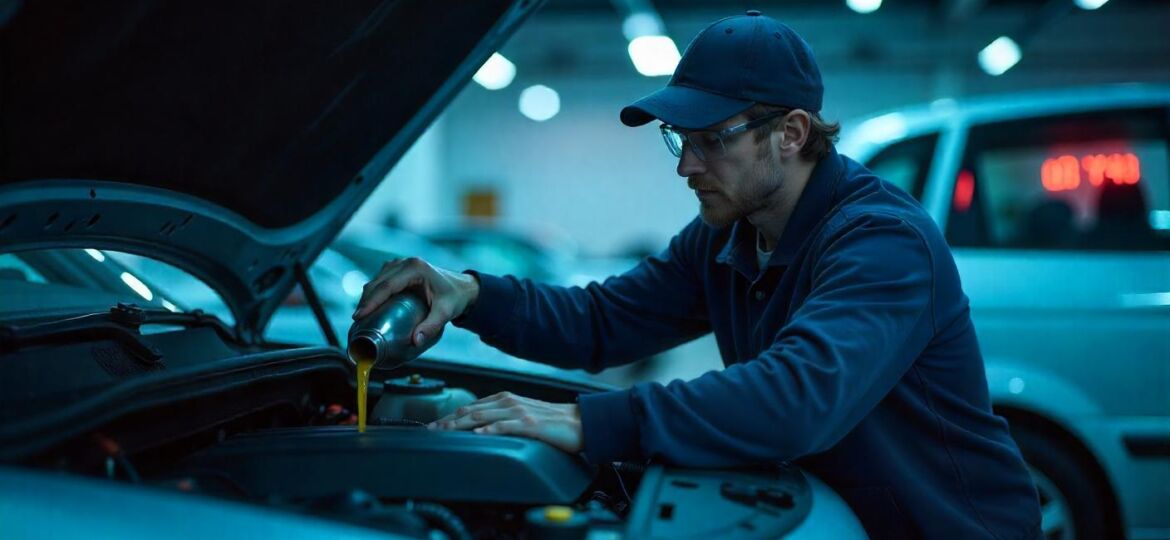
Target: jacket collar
(815, 201)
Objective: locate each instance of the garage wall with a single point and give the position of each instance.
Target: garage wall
(613, 187)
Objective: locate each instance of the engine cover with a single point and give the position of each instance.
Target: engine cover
(396, 462)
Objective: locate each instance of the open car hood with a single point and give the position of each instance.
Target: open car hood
(233, 140)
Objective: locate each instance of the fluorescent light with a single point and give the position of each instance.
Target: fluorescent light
(886, 127)
(1156, 299)
(641, 24)
(654, 56)
(353, 282)
(169, 305)
(864, 6)
(1090, 4)
(138, 286)
(999, 56)
(496, 73)
(1016, 385)
(97, 255)
(539, 102)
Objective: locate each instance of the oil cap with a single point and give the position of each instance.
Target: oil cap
(556, 523)
(414, 385)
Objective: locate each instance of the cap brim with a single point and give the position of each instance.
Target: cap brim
(683, 107)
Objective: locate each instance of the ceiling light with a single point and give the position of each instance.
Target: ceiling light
(654, 56)
(353, 282)
(641, 24)
(864, 6)
(539, 102)
(999, 56)
(138, 286)
(1090, 4)
(496, 73)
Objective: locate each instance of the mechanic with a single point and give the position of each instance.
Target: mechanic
(845, 334)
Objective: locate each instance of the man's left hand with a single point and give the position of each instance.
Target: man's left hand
(505, 413)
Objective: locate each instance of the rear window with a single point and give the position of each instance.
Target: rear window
(906, 164)
(1096, 181)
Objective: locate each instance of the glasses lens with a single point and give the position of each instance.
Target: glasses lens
(674, 141)
(706, 144)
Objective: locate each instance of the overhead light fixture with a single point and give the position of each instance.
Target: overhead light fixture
(97, 255)
(864, 6)
(353, 282)
(496, 73)
(539, 102)
(1090, 4)
(654, 56)
(139, 287)
(641, 24)
(999, 56)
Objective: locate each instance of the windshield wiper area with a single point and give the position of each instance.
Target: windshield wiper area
(122, 324)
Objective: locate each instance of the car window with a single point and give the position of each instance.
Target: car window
(15, 268)
(1097, 181)
(88, 278)
(182, 290)
(499, 256)
(906, 163)
(338, 282)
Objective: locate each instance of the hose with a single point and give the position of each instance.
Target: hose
(440, 517)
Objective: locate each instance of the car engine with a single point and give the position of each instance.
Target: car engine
(272, 429)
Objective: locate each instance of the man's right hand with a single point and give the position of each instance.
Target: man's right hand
(448, 294)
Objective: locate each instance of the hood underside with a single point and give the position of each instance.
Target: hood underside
(233, 139)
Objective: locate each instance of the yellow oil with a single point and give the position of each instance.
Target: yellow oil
(364, 365)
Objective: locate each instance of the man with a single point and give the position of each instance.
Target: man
(834, 299)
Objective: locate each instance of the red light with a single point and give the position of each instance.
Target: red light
(1063, 173)
(964, 190)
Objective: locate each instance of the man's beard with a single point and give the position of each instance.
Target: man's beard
(721, 210)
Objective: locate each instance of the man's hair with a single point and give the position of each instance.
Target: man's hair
(822, 135)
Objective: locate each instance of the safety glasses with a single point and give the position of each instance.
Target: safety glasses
(709, 144)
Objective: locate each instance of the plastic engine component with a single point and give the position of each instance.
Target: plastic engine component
(396, 462)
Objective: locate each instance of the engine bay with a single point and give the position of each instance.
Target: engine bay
(275, 429)
(395, 462)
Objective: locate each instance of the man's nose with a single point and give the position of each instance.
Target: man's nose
(690, 164)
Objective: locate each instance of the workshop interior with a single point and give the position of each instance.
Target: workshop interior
(196, 197)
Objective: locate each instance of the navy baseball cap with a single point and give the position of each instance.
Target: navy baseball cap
(731, 65)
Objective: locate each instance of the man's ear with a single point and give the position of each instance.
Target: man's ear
(795, 128)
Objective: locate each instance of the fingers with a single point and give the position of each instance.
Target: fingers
(395, 276)
(436, 318)
(558, 424)
(494, 401)
(521, 426)
(483, 417)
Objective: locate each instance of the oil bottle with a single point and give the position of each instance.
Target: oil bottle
(383, 338)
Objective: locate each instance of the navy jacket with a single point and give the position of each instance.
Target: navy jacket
(853, 355)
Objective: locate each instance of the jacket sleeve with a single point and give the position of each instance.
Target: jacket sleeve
(866, 319)
(655, 306)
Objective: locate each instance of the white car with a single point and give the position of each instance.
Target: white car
(1057, 207)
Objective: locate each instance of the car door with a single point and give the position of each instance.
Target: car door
(1060, 226)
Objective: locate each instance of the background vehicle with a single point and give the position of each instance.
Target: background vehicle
(1057, 206)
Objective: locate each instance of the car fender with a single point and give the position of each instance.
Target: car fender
(1017, 384)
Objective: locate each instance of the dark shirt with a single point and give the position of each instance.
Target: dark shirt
(852, 354)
